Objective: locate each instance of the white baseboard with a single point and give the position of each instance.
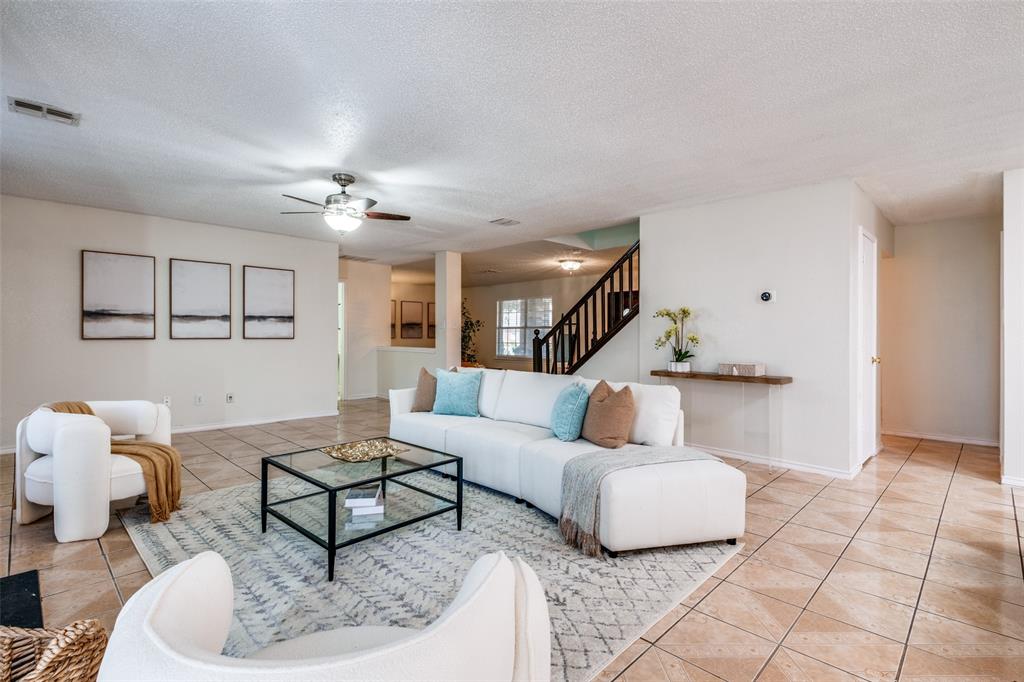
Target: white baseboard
(1015, 481)
(945, 437)
(250, 422)
(781, 463)
(362, 396)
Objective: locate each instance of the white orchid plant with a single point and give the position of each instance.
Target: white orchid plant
(675, 336)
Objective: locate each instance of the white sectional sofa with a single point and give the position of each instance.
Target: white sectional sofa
(510, 448)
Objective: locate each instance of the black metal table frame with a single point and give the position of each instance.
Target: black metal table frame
(331, 544)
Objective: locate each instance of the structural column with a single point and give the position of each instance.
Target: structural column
(448, 296)
(1012, 304)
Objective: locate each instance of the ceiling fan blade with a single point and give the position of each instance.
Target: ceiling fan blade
(298, 212)
(307, 201)
(361, 205)
(377, 215)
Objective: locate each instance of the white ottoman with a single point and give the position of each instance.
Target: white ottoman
(677, 503)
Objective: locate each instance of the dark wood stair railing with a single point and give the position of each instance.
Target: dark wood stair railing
(600, 314)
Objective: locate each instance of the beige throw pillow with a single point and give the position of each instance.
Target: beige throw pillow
(426, 391)
(609, 416)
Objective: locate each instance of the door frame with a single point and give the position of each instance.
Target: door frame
(867, 401)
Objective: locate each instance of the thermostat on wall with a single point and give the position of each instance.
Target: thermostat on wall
(767, 296)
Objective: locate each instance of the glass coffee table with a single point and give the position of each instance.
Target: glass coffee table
(306, 490)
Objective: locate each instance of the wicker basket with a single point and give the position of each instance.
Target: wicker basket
(69, 654)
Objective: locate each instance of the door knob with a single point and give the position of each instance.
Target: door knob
(875, 360)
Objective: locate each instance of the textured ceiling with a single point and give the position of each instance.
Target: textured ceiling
(516, 263)
(565, 116)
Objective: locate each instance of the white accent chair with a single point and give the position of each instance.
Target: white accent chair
(63, 463)
(497, 628)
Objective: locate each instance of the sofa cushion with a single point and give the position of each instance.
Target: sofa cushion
(540, 470)
(490, 451)
(458, 394)
(529, 397)
(609, 416)
(126, 479)
(490, 388)
(657, 411)
(427, 429)
(426, 390)
(570, 409)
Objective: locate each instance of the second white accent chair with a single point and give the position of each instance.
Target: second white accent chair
(497, 628)
(63, 464)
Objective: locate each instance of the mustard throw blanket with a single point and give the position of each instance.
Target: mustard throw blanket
(161, 466)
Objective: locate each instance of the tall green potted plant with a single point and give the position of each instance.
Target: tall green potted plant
(470, 327)
(676, 338)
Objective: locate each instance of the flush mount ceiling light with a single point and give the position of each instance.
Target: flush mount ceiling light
(571, 264)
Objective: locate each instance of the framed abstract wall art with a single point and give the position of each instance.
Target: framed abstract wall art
(268, 303)
(118, 296)
(200, 299)
(412, 319)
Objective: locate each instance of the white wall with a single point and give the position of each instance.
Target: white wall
(1012, 303)
(44, 358)
(619, 360)
(939, 331)
(367, 323)
(716, 258)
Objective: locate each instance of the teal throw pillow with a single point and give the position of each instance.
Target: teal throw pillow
(569, 411)
(457, 393)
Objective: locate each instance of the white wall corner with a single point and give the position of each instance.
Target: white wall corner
(448, 294)
(1012, 330)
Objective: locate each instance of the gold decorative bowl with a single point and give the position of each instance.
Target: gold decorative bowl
(364, 451)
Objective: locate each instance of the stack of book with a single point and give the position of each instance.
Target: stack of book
(366, 504)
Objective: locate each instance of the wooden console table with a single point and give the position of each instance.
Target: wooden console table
(714, 376)
(774, 384)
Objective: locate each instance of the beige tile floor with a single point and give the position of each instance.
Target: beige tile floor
(912, 570)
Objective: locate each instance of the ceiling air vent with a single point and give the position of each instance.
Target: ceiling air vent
(503, 221)
(41, 110)
(358, 259)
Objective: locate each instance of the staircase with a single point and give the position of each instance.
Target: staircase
(606, 308)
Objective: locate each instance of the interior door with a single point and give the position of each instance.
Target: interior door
(867, 356)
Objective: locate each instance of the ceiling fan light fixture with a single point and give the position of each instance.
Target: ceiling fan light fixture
(571, 264)
(342, 222)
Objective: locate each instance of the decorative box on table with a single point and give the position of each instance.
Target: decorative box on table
(742, 369)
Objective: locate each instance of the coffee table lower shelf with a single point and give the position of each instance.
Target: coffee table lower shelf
(430, 504)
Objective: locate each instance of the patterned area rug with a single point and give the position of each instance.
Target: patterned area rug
(598, 606)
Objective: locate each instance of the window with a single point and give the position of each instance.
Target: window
(517, 318)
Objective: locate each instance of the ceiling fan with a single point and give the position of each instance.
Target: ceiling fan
(342, 211)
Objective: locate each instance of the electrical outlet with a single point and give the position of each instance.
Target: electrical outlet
(198, 400)
(229, 398)
(167, 401)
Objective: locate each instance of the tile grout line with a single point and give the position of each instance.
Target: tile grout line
(778, 645)
(804, 608)
(653, 644)
(1017, 523)
(931, 550)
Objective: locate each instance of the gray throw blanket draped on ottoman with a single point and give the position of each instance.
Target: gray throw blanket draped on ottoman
(581, 486)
